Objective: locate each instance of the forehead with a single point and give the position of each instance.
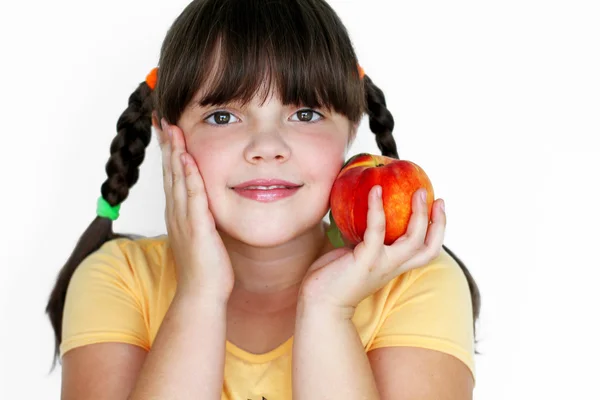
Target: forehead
(261, 97)
(223, 79)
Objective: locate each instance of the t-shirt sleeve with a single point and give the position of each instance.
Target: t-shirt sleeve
(431, 308)
(103, 303)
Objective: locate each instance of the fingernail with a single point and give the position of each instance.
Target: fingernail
(166, 127)
(378, 191)
(443, 205)
(423, 196)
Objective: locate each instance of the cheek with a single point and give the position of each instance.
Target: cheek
(324, 163)
(212, 167)
(208, 154)
(214, 177)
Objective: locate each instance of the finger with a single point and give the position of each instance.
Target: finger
(375, 232)
(418, 223)
(162, 133)
(437, 229)
(166, 168)
(374, 236)
(197, 200)
(178, 189)
(433, 241)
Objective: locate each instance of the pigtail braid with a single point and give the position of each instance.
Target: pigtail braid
(128, 148)
(381, 123)
(127, 151)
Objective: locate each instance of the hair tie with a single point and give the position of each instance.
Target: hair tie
(105, 210)
(152, 77)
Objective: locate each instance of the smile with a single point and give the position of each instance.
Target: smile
(266, 194)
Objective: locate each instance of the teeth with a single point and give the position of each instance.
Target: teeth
(266, 187)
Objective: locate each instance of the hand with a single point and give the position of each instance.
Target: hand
(345, 276)
(202, 262)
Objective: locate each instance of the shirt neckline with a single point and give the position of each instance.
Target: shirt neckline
(262, 357)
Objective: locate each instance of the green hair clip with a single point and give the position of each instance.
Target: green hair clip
(105, 210)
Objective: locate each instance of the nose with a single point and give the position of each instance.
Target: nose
(267, 146)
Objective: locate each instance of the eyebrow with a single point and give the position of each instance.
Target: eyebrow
(196, 103)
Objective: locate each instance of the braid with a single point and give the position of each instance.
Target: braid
(381, 120)
(381, 123)
(128, 148)
(127, 151)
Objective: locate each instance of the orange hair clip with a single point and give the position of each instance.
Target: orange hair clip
(361, 72)
(152, 77)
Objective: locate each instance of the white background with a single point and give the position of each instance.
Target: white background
(498, 101)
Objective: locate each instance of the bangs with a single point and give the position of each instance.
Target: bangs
(246, 48)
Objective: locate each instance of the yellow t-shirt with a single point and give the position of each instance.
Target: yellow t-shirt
(121, 293)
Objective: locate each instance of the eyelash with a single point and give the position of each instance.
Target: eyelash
(227, 112)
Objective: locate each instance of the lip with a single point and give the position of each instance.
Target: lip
(266, 196)
(266, 182)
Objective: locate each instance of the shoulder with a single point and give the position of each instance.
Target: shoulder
(119, 293)
(140, 265)
(441, 275)
(138, 254)
(436, 289)
(425, 323)
(154, 247)
(427, 307)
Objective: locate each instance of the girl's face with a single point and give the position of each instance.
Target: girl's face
(232, 145)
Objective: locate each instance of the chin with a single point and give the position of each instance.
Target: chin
(272, 233)
(271, 225)
(261, 238)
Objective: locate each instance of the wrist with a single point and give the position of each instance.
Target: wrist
(311, 308)
(201, 299)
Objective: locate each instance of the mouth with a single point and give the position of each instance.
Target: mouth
(263, 187)
(266, 194)
(266, 184)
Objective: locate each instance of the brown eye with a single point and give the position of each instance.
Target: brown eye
(220, 118)
(307, 115)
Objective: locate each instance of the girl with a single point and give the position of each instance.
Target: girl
(256, 104)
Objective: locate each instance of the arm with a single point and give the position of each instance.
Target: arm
(187, 359)
(417, 373)
(329, 361)
(185, 362)
(428, 307)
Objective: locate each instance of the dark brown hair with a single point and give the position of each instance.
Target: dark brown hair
(230, 48)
